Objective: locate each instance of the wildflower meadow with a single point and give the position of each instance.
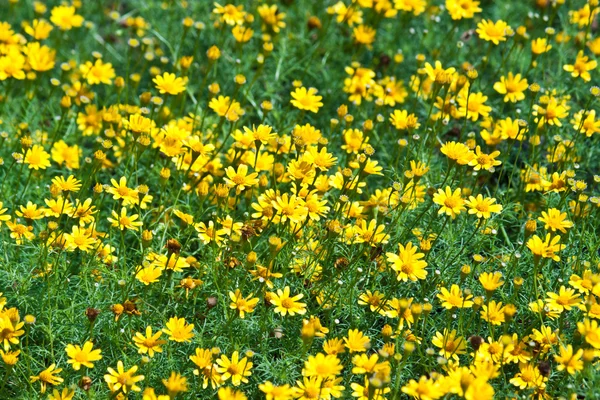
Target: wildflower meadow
(299, 199)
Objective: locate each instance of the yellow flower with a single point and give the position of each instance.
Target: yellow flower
(121, 380)
(235, 368)
(272, 17)
(460, 9)
(124, 221)
(555, 220)
(286, 304)
(364, 34)
(491, 31)
(65, 18)
(179, 330)
(175, 384)
(491, 281)
(450, 345)
(512, 86)
(150, 343)
(230, 14)
(564, 300)
(357, 342)
(49, 376)
(483, 207)
(454, 298)
(581, 67)
(402, 120)
(408, 263)
(546, 248)
(169, 83)
(85, 355)
(569, 361)
(590, 331)
(37, 158)
(472, 105)
(97, 73)
(458, 152)
(240, 179)
(484, 161)
(493, 313)
(416, 7)
(540, 46)
(451, 202)
(306, 99)
(242, 304)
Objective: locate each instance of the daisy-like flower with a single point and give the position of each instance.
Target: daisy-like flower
(49, 376)
(36, 157)
(235, 368)
(402, 120)
(121, 380)
(451, 202)
(124, 221)
(491, 31)
(454, 298)
(491, 281)
(179, 330)
(98, 72)
(512, 86)
(457, 152)
(65, 18)
(169, 83)
(272, 392)
(306, 99)
(150, 343)
(568, 360)
(6, 217)
(555, 220)
(493, 313)
(323, 366)
(70, 184)
(240, 179)
(286, 304)
(408, 263)
(472, 105)
(438, 73)
(120, 191)
(450, 345)
(242, 304)
(582, 67)
(83, 356)
(462, 9)
(540, 46)
(546, 248)
(483, 207)
(79, 238)
(565, 299)
(370, 233)
(356, 341)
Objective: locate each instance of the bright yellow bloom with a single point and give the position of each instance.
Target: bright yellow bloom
(306, 99)
(451, 202)
(85, 355)
(235, 368)
(408, 263)
(149, 343)
(179, 330)
(286, 304)
(49, 376)
(581, 67)
(169, 83)
(512, 86)
(491, 31)
(121, 380)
